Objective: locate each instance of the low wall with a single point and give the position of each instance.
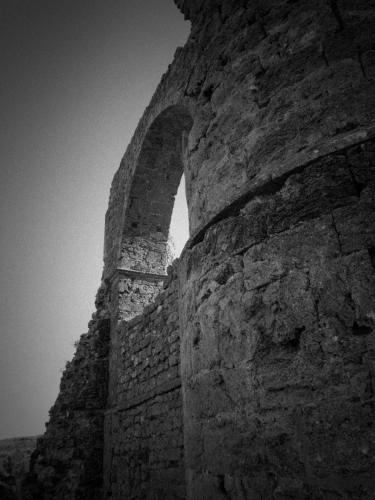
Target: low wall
(145, 459)
(68, 461)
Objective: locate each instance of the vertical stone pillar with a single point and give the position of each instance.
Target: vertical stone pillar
(278, 340)
(130, 292)
(277, 298)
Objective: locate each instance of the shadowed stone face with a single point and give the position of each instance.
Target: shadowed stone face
(154, 186)
(277, 347)
(269, 110)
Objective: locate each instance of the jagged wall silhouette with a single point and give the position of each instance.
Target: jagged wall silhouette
(248, 371)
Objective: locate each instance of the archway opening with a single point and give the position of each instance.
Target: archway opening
(155, 183)
(179, 227)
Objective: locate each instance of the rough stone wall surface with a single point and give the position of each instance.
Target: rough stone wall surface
(145, 421)
(68, 461)
(132, 292)
(270, 85)
(275, 85)
(278, 345)
(269, 110)
(142, 194)
(14, 465)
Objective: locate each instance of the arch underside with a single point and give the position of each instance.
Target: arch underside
(155, 183)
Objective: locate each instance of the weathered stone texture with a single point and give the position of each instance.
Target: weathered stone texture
(269, 110)
(68, 460)
(268, 85)
(142, 194)
(145, 449)
(275, 85)
(278, 345)
(14, 465)
(132, 292)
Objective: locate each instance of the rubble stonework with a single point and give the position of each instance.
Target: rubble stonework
(145, 449)
(68, 459)
(248, 371)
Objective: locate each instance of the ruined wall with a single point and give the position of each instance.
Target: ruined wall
(260, 88)
(278, 340)
(144, 425)
(269, 110)
(68, 461)
(14, 465)
(143, 191)
(277, 84)
(278, 286)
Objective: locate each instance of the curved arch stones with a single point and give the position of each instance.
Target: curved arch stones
(247, 372)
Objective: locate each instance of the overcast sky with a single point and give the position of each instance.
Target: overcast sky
(76, 76)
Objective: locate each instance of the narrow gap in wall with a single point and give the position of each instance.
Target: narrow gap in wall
(179, 228)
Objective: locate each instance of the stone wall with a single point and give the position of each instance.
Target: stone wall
(278, 345)
(142, 194)
(14, 465)
(68, 461)
(269, 85)
(131, 292)
(275, 85)
(269, 110)
(145, 459)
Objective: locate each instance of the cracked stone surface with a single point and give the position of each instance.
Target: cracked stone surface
(278, 344)
(247, 372)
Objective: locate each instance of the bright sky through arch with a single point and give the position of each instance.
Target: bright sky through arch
(78, 75)
(179, 228)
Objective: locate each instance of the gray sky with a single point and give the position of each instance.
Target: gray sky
(76, 77)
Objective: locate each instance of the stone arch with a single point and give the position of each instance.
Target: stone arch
(154, 186)
(142, 260)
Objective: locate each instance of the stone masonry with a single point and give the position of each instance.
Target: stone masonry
(146, 427)
(248, 371)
